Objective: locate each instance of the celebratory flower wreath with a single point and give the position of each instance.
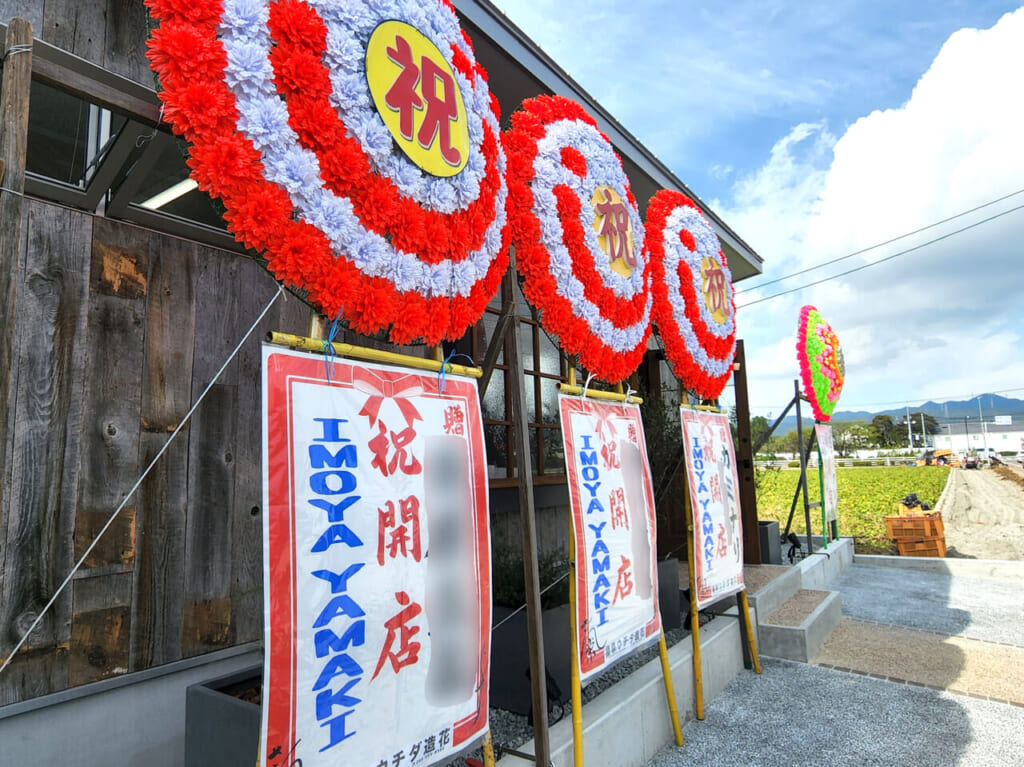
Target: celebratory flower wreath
(822, 367)
(274, 99)
(694, 307)
(559, 162)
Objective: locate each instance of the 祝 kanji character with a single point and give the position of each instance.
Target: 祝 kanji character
(715, 287)
(610, 455)
(401, 459)
(454, 421)
(615, 228)
(631, 430)
(402, 96)
(617, 502)
(438, 89)
(624, 584)
(398, 627)
(392, 537)
(442, 109)
(716, 488)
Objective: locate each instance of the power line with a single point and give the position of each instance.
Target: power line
(880, 244)
(956, 397)
(883, 260)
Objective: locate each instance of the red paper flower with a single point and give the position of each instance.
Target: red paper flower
(578, 236)
(694, 309)
(283, 130)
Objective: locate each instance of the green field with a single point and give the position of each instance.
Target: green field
(866, 497)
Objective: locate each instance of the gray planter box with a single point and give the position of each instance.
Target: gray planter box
(220, 729)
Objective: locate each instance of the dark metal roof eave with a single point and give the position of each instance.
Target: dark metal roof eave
(522, 50)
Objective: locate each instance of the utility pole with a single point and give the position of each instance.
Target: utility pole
(924, 433)
(984, 433)
(967, 437)
(910, 434)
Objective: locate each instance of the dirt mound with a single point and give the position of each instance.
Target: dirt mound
(984, 514)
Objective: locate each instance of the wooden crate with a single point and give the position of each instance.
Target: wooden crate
(915, 527)
(926, 547)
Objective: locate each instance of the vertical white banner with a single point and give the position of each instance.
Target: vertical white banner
(614, 527)
(714, 497)
(829, 483)
(376, 564)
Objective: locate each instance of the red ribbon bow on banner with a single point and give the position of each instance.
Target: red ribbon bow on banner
(604, 423)
(380, 388)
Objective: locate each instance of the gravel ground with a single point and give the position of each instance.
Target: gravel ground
(980, 608)
(512, 730)
(983, 516)
(798, 714)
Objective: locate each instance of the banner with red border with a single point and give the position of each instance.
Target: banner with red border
(377, 574)
(612, 502)
(714, 497)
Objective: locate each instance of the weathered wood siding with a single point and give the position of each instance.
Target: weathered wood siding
(110, 33)
(118, 330)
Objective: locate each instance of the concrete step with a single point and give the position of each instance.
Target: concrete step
(771, 596)
(798, 628)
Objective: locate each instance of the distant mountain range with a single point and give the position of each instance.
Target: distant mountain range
(944, 412)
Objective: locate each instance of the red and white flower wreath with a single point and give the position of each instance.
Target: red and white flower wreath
(699, 348)
(557, 158)
(272, 95)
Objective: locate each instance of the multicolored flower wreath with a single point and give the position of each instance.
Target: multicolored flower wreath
(694, 309)
(578, 236)
(273, 96)
(822, 367)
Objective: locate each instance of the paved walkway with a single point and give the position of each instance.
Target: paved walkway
(795, 714)
(925, 669)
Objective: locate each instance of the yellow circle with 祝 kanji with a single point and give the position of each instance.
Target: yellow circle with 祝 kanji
(715, 288)
(614, 230)
(418, 97)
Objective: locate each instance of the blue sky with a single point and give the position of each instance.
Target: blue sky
(816, 129)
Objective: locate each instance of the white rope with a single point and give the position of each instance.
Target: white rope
(139, 481)
(14, 50)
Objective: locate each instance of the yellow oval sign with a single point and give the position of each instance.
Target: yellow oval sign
(418, 97)
(715, 289)
(614, 230)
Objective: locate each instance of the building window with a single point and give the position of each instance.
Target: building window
(544, 366)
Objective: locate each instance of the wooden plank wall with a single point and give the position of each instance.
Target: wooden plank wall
(110, 33)
(118, 330)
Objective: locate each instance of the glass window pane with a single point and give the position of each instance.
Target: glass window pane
(496, 442)
(534, 452)
(67, 136)
(526, 345)
(490, 323)
(549, 401)
(494, 397)
(550, 359)
(168, 188)
(531, 399)
(554, 451)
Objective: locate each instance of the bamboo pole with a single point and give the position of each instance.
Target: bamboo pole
(571, 388)
(488, 749)
(698, 674)
(374, 355)
(670, 691)
(745, 607)
(574, 661)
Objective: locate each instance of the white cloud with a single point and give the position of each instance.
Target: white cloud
(944, 320)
